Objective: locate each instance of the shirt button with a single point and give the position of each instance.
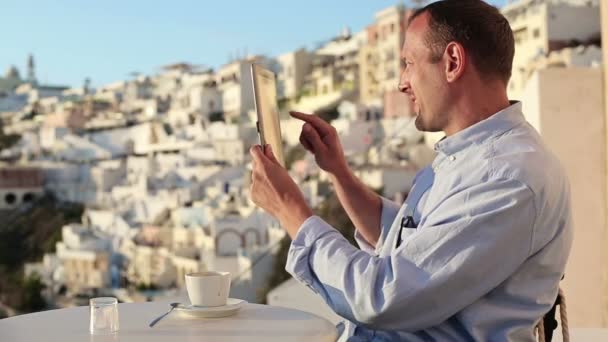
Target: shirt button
(452, 158)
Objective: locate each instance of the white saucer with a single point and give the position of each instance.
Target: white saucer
(232, 306)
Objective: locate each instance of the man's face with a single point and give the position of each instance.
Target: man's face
(423, 81)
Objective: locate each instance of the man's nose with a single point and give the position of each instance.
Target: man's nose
(404, 84)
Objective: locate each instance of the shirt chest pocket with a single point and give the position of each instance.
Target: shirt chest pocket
(407, 227)
(411, 216)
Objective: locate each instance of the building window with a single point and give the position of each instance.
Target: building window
(28, 197)
(536, 33)
(10, 198)
(520, 35)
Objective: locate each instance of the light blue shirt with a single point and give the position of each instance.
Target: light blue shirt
(493, 235)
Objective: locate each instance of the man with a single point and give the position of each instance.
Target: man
(478, 249)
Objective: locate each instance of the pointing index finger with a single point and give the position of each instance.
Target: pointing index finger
(319, 124)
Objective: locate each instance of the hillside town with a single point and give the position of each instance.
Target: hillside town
(161, 165)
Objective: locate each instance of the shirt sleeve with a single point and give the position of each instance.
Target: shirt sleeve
(485, 229)
(389, 212)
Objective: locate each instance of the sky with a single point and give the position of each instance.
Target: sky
(106, 40)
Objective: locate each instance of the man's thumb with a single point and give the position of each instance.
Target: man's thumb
(269, 154)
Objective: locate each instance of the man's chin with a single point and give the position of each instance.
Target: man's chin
(422, 127)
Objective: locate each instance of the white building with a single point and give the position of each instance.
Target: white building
(136, 138)
(231, 151)
(580, 56)
(69, 182)
(380, 64)
(221, 130)
(197, 98)
(293, 68)
(357, 136)
(203, 154)
(20, 186)
(107, 222)
(107, 174)
(235, 84)
(85, 259)
(151, 266)
(392, 179)
(50, 136)
(334, 74)
(542, 26)
(113, 92)
(379, 58)
(567, 102)
(310, 190)
(149, 209)
(189, 241)
(75, 148)
(140, 88)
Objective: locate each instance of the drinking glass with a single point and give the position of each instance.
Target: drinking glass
(104, 315)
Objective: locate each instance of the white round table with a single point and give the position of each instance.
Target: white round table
(253, 322)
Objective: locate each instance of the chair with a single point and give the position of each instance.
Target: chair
(544, 328)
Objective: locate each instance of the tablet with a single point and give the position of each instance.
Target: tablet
(265, 100)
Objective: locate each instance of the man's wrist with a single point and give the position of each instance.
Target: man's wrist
(294, 216)
(340, 175)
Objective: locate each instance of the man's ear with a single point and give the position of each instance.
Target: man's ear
(455, 61)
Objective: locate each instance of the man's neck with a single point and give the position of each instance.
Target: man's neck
(470, 109)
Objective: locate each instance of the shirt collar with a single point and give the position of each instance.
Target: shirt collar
(493, 126)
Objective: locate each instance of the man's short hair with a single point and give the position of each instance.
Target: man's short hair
(482, 30)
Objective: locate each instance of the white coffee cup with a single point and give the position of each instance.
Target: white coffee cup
(208, 288)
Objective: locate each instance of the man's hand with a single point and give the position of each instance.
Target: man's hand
(321, 139)
(273, 190)
(363, 206)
